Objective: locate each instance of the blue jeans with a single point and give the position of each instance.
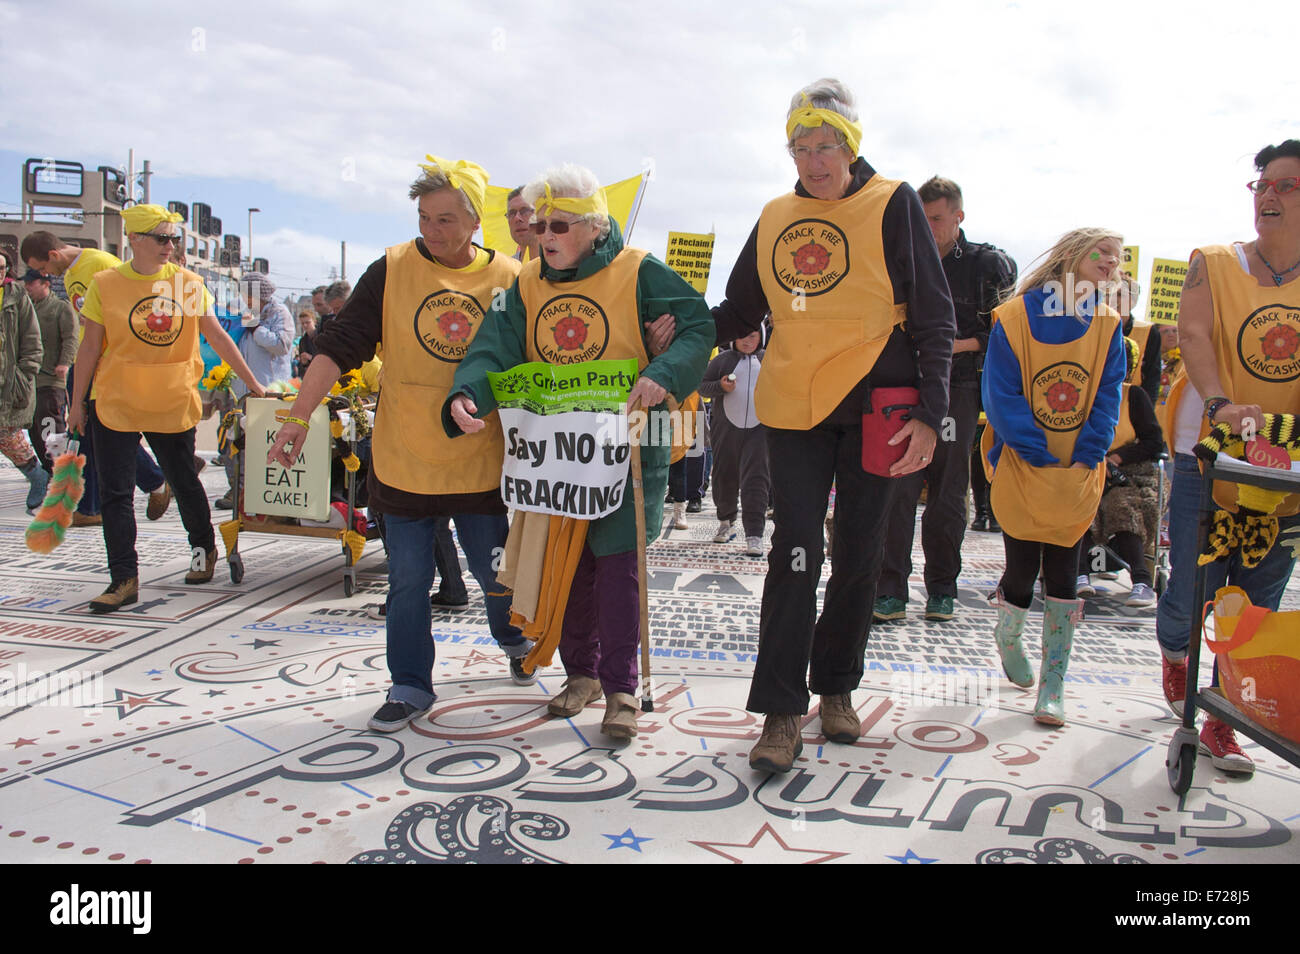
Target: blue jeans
(1264, 584)
(410, 577)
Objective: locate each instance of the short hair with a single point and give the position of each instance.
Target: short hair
(318, 290)
(936, 188)
(573, 182)
(340, 289)
(39, 245)
(514, 193)
(1289, 148)
(826, 93)
(436, 181)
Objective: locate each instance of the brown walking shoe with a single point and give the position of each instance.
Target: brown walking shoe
(577, 692)
(80, 519)
(778, 746)
(119, 594)
(159, 501)
(205, 574)
(620, 716)
(839, 719)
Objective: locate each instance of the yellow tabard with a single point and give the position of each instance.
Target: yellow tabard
(147, 378)
(1052, 504)
(1124, 432)
(594, 318)
(1141, 337)
(1256, 341)
(431, 314)
(76, 280)
(823, 272)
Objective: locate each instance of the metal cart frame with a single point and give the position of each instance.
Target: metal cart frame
(1180, 761)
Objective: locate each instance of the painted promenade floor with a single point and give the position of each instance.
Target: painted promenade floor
(227, 723)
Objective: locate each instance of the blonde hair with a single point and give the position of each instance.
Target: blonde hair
(1065, 257)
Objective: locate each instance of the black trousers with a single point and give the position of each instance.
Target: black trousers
(943, 525)
(740, 469)
(797, 650)
(1024, 557)
(115, 464)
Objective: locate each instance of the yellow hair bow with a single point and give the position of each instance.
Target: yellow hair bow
(145, 218)
(549, 202)
(810, 116)
(468, 177)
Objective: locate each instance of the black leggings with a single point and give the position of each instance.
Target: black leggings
(1024, 557)
(1128, 546)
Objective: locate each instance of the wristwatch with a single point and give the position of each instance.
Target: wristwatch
(1213, 406)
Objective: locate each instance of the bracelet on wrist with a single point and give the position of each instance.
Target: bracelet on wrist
(1213, 405)
(298, 420)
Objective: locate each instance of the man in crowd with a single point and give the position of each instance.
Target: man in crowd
(977, 276)
(59, 339)
(518, 214)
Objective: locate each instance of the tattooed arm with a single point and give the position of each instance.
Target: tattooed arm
(1195, 338)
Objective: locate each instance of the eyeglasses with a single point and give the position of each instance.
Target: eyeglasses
(516, 213)
(176, 240)
(1283, 186)
(558, 226)
(822, 152)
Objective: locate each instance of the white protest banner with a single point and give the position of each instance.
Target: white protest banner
(270, 490)
(566, 443)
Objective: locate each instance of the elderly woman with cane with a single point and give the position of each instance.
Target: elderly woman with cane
(853, 389)
(582, 254)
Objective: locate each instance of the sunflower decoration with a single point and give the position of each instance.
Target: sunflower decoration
(348, 385)
(220, 378)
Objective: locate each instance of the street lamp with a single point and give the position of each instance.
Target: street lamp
(250, 236)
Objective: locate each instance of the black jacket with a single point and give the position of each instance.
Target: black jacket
(979, 276)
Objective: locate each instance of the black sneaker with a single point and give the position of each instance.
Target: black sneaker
(694, 506)
(393, 716)
(438, 601)
(517, 674)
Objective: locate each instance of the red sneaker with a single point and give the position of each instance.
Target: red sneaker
(1220, 743)
(1174, 682)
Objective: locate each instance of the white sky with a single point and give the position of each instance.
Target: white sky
(1137, 116)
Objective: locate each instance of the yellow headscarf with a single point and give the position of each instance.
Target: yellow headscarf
(810, 116)
(549, 202)
(468, 177)
(145, 218)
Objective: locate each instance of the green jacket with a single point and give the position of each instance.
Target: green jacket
(20, 357)
(500, 344)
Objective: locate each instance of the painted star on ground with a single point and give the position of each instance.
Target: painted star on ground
(911, 858)
(759, 849)
(128, 702)
(625, 840)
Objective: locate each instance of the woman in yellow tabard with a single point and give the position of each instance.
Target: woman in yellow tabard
(1239, 333)
(1051, 386)
(424, 301)
(141, 346)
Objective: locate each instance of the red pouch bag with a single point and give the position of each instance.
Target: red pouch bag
(883, 416)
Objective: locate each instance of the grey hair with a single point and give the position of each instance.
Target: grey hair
(432, 182)
(569, 181)
(824, 93)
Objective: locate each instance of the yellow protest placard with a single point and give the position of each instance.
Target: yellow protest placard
(690, 254)
(1128, 261)
(1167, 276)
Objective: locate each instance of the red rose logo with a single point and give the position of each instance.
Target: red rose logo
(454, 325)
(1062, 396)
(570, 333)
(1280, 343)
(811, 259)
(159, 322)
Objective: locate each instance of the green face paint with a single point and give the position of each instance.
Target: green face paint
(1095, 256)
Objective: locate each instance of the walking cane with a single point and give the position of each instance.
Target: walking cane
(638, 500)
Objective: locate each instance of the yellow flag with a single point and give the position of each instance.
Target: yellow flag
(619, 196)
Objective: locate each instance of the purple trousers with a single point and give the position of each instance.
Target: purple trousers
(602, 623)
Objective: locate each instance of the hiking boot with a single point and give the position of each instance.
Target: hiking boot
(205, 574)
(725, 533)
(694, 506)
(119, 594)
(80, 519)
(159, 501)
(778, 746)
(227, 502)
(517, 674)
(393, 716)
(1219, 742)
(939, 608)
(889, 608)
(620, 716)
(1173, 680)
(577, 693)
(1141, 595)
(840, 721)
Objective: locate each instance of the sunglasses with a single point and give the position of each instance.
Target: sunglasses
(558, 226)
(1283, 186)
(176, 240)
